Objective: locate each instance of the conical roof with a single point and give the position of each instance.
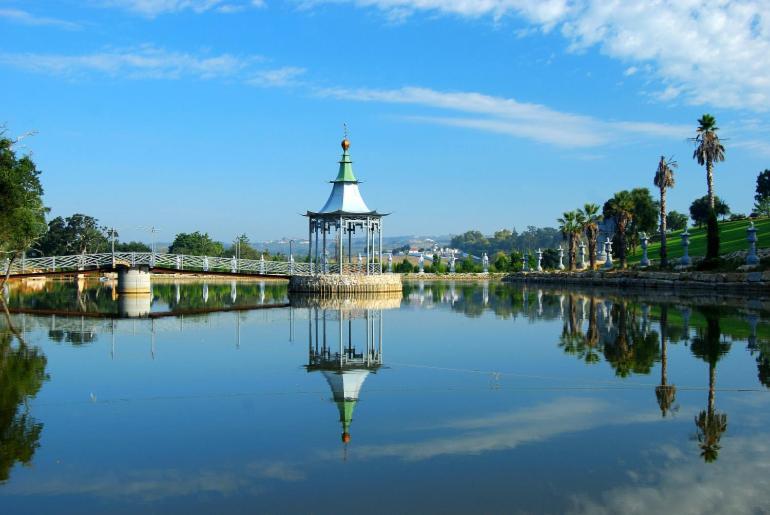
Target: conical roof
(345, 196)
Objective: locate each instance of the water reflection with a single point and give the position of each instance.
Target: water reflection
(709, 347)
(569, 366)
(22, 374)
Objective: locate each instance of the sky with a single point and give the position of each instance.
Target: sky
(225, 116)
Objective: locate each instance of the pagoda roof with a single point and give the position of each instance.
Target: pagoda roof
(345, 197)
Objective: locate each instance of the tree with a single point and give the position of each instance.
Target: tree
(22, 373)
(22, 214)
(621, 209)
(665, 393)
(708, 150)
(571, 225)
(645, 215)
(699, 209)
(664, 179)
(132, 246)
(676, 221)
(195, 244)
(242, 247)
(710, 347)
(762, 198)
(591, 219)
(76, 234)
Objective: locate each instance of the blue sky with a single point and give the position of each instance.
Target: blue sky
(225, 115)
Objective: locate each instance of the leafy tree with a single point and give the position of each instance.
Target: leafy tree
(621, 209)
(195, 244)
(708, 150)
(762, 197)
(76, 234)
(591, 219)
(676, 221)
(550, 258)
(664, 179)
(242, 247)
(501, 263)
(571, 225)
(645, 215)
(22, 373)
(132, 246)
(699, 209)
(22, 214)
(712, 236)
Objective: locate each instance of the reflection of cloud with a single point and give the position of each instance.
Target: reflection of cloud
(152, 485)
(507, 430)
(737, 483)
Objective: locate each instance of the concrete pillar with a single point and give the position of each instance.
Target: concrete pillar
(134, 280)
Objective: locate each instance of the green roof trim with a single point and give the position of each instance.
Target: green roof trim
(346, 169)
(346, 408)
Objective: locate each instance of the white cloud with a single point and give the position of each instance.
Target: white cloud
(26, 18)
(509, 116)
(709, 52)
(141, 62)
(285, 76)
(153, 8)
(737, 484)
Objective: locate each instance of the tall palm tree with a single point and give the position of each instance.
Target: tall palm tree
(708, 150)
(620, 208)
(709, 347)
(665, 393)
(569, 227)
(591, 219)
(664, 179)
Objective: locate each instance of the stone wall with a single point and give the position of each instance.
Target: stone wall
(334, 284)
(733, 281)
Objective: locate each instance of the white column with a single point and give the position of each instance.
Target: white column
(379, 230)
(368, 239)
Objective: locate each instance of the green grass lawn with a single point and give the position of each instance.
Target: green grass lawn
(732, 238)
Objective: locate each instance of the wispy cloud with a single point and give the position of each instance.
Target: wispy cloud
(135, 63)
(153, 8)
(27, 18)
(284, 76)
(509, 116)
(704, 51)
(508, 430)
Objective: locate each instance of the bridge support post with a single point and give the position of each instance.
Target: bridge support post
(134, 280)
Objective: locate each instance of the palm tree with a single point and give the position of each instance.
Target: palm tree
(621, 207)
(709, 347)
(708, 150)
(569, 227)
(591, 219)
(664, 179)
(665, 393)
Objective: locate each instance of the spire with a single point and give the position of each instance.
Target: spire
(346, 165)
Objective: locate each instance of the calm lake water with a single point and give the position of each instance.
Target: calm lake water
(457, 398)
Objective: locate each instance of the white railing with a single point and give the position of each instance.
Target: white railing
(181, 262)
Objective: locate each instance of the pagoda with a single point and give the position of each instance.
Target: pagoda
(346, 212)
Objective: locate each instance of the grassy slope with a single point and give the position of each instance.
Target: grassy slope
(732, 235)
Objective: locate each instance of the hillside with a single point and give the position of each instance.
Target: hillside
(732, 236)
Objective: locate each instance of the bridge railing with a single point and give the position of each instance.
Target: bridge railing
(182, 262)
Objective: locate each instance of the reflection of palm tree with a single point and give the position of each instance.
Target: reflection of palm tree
(631, 351)
(665, 393)
(709, 347)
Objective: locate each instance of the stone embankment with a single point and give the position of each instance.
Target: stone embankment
(732, 281)
(335, 284)
(454, 277)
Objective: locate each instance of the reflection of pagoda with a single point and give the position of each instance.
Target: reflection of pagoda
(345, 345)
